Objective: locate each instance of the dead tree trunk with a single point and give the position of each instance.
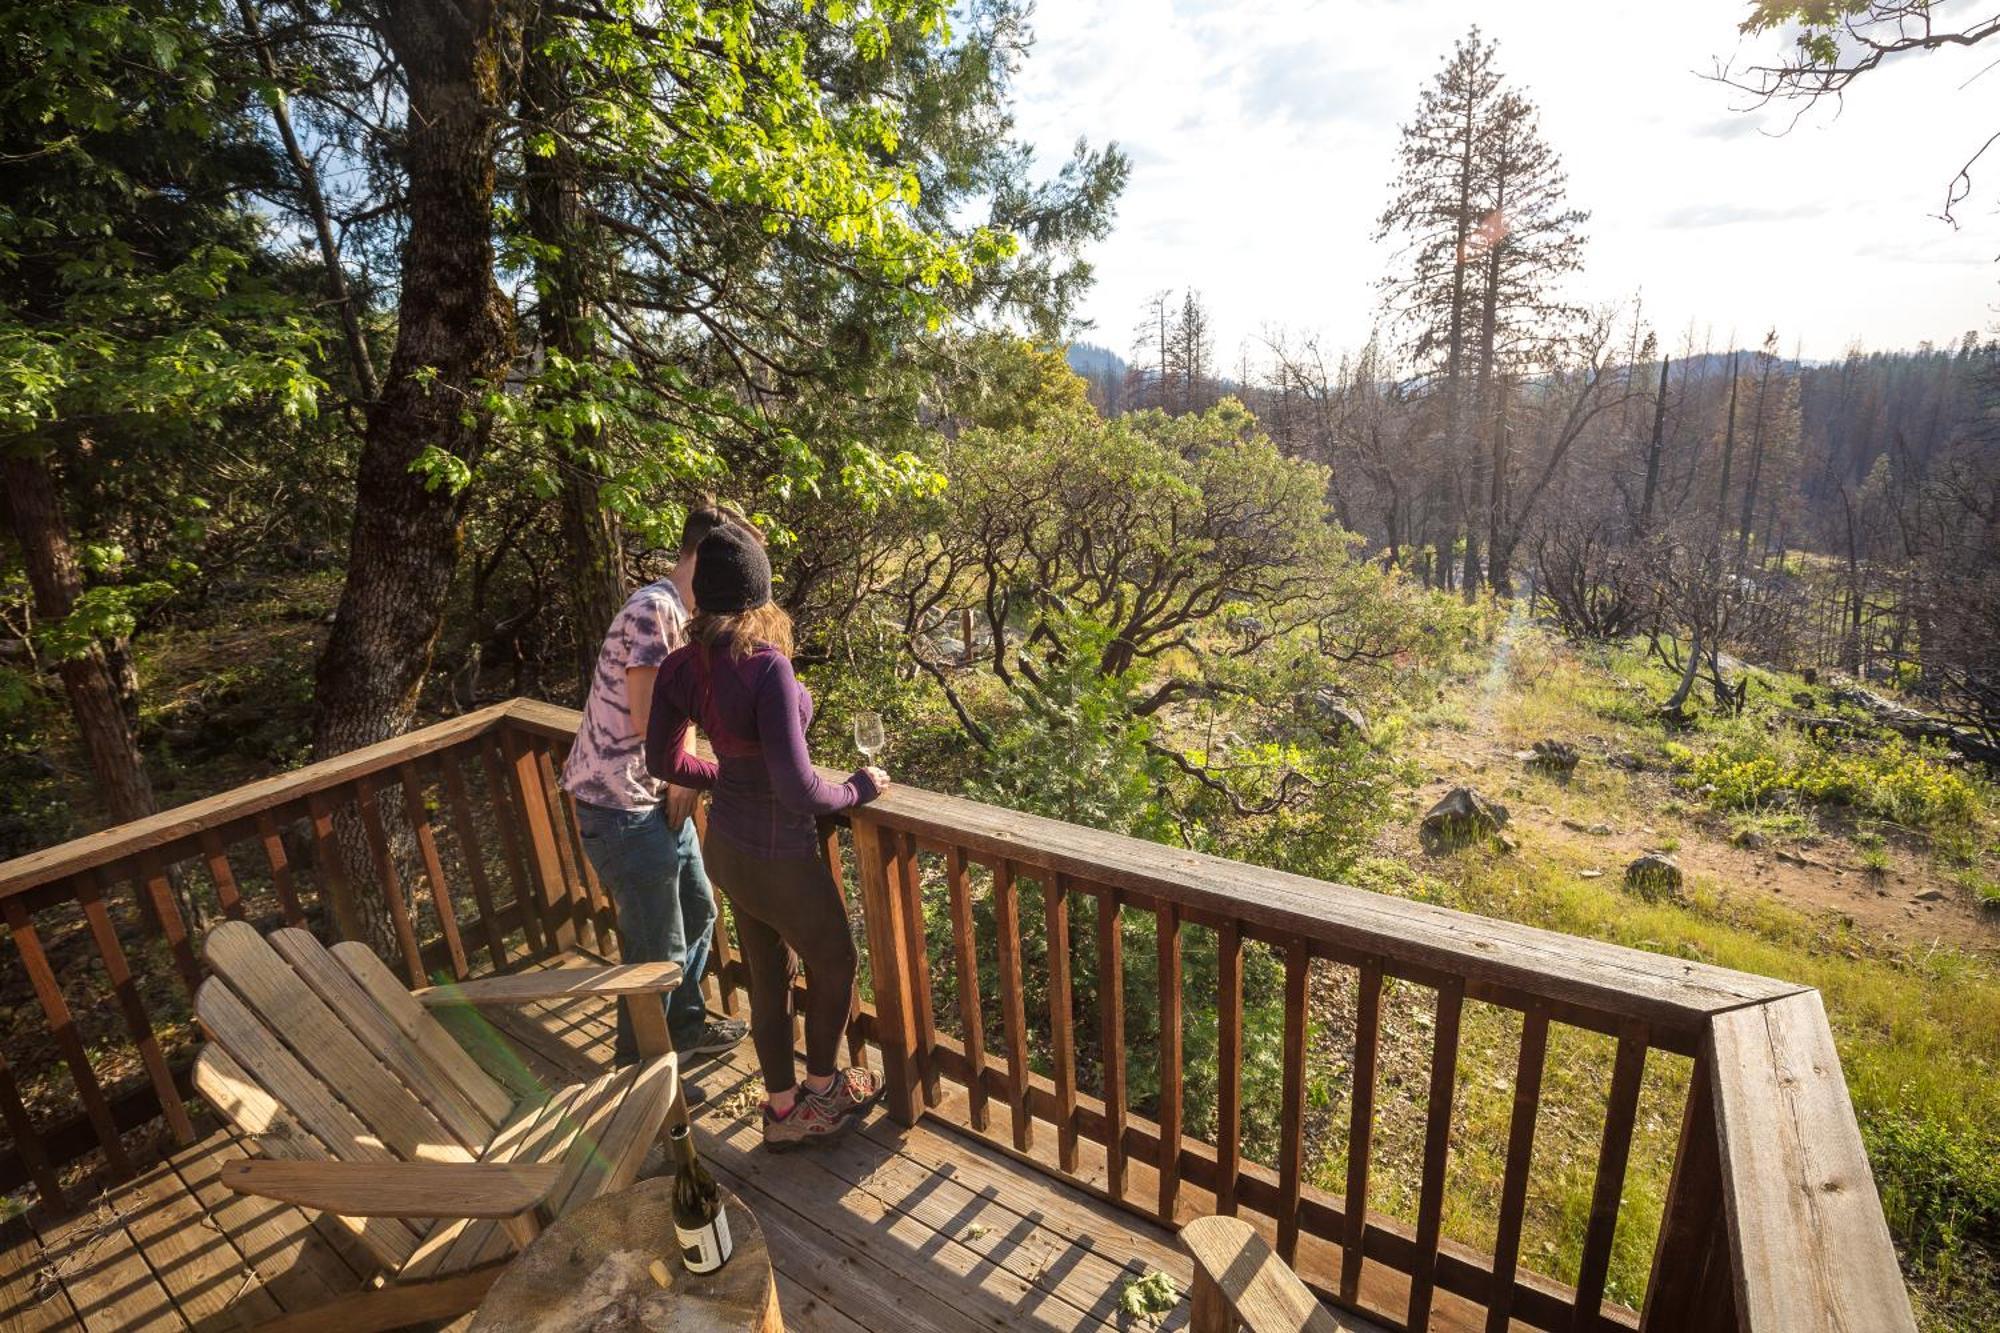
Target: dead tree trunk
(1677, 701)
(1728, 457)
(1653, 451)
(1748, 516)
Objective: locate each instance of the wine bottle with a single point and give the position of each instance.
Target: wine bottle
(701, 1226)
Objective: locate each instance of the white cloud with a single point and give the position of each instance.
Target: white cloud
(1263, 136)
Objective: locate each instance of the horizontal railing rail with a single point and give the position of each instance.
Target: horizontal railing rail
(1771, 1219)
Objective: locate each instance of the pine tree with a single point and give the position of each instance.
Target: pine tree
(1481, 201)
(1436, 206)
(1527, 243)
(1191, 354)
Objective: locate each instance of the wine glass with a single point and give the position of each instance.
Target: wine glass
(868, 737)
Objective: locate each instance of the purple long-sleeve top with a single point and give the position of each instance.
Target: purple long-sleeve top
(754, 712)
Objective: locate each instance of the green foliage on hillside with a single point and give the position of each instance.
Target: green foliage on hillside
(1913, 785)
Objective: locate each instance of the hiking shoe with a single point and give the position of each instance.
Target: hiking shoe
(813, 1122)
(711, 1038)
(852, 1090)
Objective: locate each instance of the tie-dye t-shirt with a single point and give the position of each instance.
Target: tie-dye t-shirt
(607, 765)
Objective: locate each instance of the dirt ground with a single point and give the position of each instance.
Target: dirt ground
(1912, 904)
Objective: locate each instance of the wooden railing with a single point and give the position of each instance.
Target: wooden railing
(1771, 1219)
(113, 921)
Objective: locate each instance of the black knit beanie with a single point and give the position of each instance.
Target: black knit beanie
(731, 572)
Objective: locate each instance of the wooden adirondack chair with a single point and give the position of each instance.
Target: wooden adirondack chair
(365, 1107)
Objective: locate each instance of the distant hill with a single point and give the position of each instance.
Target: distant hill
(1090, 361)
(1104, 370)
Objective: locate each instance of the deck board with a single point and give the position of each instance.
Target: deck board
(915, 1230)
(939, 1206)
(295, 1255)
(101, 1269)
(29, 1303)
(192, 1257)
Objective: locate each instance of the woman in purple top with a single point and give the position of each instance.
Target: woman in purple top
(734, 677)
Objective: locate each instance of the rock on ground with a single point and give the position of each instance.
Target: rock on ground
(1654, 875)
(1556, 758)
(1462, 817)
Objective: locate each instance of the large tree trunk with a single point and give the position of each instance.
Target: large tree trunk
(454, 342)
(595, 568)
(1503, 533)
(1486, 471)
(91, 678)
(1455, 444)
(1500, 566)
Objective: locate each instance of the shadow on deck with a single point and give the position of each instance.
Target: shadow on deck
(914, 1229)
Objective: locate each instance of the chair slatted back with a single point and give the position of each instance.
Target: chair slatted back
(471, 1117)
(448, 1061)
(245, 1103)
(275, 997)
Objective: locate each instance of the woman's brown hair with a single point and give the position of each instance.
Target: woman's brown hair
(745, 631)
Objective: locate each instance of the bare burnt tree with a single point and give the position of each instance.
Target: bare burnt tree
(1957, 585)
(1602, 586)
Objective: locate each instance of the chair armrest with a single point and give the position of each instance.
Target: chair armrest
(556, 983)
(397, 1189)
(1238, 1277)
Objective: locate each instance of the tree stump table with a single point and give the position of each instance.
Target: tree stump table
(612, 1266)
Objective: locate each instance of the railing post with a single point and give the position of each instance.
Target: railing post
(889, 963)
(544, 861)
(1809, 1247)
(1693, 1284)
(1208, 1309)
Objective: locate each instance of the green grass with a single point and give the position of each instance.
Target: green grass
(1918, 1032)
(1772, 826)
(1919, 1040)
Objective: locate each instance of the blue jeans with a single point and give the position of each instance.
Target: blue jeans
(666, 909)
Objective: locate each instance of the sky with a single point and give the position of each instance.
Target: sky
(1263, 138)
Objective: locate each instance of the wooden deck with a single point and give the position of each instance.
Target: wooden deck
(915, 1229)
(991, 1211)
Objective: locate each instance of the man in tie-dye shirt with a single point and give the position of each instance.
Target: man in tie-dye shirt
(637, 831)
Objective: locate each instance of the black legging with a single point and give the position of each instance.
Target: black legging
(778, 902)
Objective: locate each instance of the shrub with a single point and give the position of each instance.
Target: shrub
(1940, 1185)
(1894, 780)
